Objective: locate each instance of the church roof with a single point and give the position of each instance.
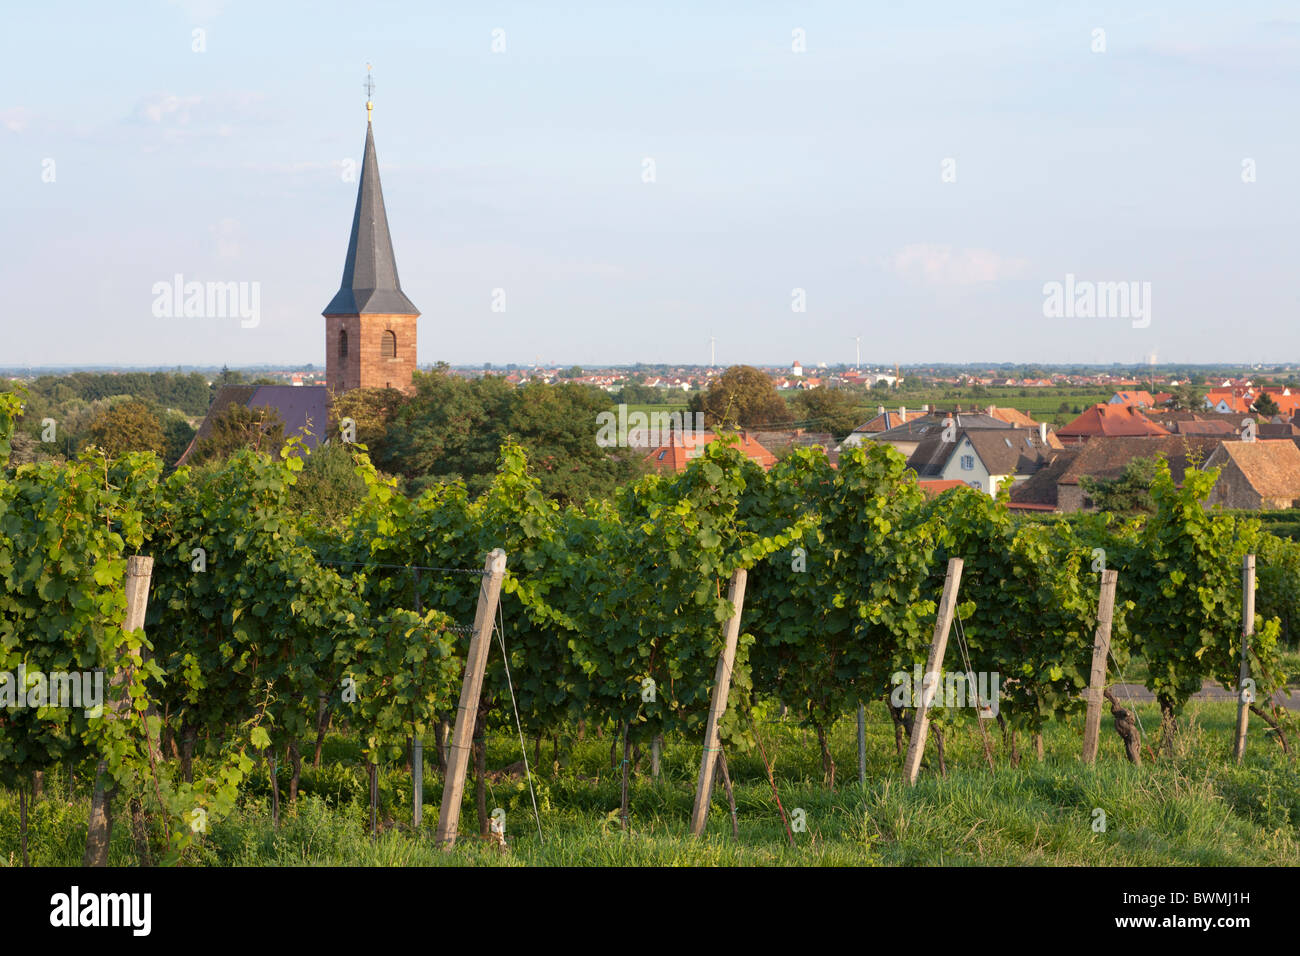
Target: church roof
(370, 284)
(303, 409)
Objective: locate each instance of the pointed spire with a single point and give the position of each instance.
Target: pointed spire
(370, 285)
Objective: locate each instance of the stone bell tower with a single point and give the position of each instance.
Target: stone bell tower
(370, 324)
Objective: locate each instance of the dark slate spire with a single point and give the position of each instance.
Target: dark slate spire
(370, 283)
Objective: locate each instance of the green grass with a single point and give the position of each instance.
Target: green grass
(667, 408)
(1039, 403)
(1192, 807)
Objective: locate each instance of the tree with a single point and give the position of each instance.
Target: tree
(1130, 493)
(742, 396)
(328, 487)
(227, 377)
(127, 426)
(177, 435)
(1187, 398)
(556, 426)
(454, 428)
(831, 409)
(371, 410)
(240, 427)
(447, 429)
(1265, 405)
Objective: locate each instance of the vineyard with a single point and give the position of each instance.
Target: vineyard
(282, 657)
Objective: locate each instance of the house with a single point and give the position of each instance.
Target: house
(304, 409)
(1133, 399)
(1014, 417)
(1256, 474)
(681, 449)
(1106, 458)
(1278, 429)
(1196, 426)
(1109, 421)
(781, 441)
(1039, 491)
(883, 422)
(906, 436)
(1223, 404)
(983, 458)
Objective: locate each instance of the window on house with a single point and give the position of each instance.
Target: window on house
(976, 485)
(343, 344)
(662, 453)
(967, 462)
(390, 345)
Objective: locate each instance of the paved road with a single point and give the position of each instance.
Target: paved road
(1290, 699)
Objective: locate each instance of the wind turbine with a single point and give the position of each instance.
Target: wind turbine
(713, 349)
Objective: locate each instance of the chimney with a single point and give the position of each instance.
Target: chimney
(880, 409)
(902, 412)
(1042, 433)
(992, 409)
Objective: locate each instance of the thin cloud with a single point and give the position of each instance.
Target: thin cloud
(169, 107)
(15, 119)
(944, 265)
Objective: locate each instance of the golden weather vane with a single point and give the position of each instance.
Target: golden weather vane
(370, 92)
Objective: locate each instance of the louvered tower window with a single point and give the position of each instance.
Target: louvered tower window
(390, 345)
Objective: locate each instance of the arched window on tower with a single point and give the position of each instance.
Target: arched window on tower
(343, 344)
(390, 344)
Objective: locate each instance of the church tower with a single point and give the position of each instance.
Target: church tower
(370, 324)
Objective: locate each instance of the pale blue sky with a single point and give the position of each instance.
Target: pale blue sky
(775, 170)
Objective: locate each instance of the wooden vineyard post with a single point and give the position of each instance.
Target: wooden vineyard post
(862, 744)
(494, 570)
(1100, 655)
(417, 782)
(933, 666)
(721, 687)
(99, 827)
(1247, 629)
(417, 744)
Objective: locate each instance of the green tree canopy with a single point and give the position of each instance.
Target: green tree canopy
(1265, 405)
(1130, 493)
(237, 427)
(454, 427)
(127, 426)
(742, 396)
(831, 409)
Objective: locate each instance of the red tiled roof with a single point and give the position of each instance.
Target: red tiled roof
(1271, 467)
(1107, 457)
(1110, 421)
(680, 450)
(935, 488)
(1135, 398)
